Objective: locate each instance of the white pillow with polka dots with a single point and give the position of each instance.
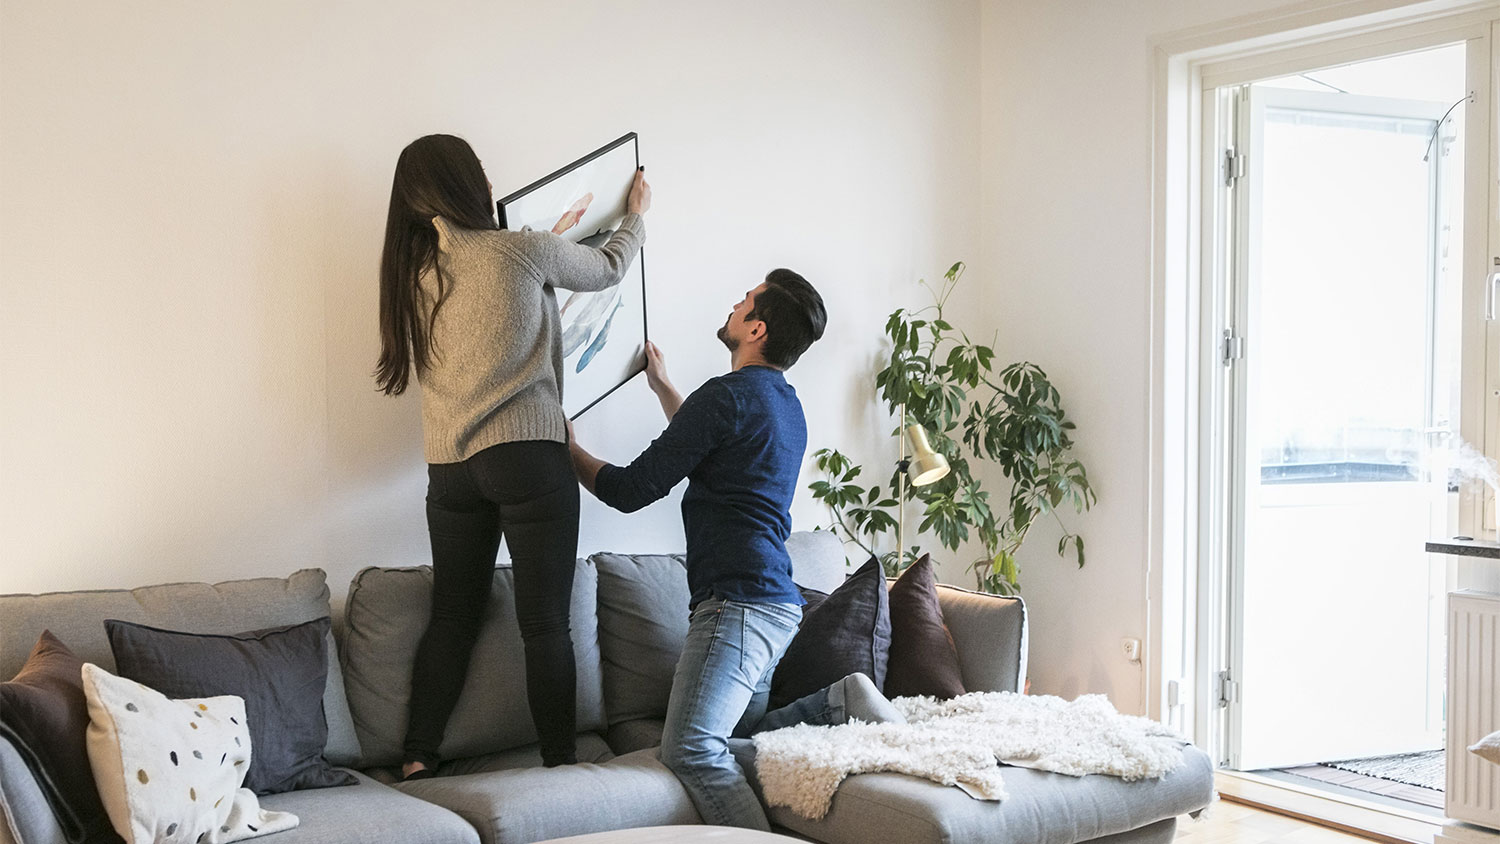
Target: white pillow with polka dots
(171, 770)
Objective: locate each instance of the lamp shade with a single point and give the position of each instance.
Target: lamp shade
(927, 466)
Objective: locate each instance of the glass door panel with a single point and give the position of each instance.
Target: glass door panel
(1350, 389)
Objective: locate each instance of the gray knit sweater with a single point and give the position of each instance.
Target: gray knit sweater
(496, 367)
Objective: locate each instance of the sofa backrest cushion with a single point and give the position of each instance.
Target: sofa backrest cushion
(643, 620)
(643, 617)
(818, 560)
(77, 619)
(990, 633)
(385, 617)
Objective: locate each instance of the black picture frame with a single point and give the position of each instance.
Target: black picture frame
(640, 259)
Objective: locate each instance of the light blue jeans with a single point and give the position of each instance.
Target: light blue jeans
(720, 690)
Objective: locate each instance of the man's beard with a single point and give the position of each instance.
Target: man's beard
(729, 342)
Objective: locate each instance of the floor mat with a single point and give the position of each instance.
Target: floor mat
(1426, 769)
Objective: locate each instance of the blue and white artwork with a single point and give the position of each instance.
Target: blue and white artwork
(603, 333)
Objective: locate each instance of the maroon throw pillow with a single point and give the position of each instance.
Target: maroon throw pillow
(923, 659)
(44, 713)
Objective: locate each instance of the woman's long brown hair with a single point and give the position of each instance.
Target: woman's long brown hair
(436, 176)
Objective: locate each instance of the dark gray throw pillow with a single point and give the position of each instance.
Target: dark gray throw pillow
(280, 672)
(813, 598)
(847, 632)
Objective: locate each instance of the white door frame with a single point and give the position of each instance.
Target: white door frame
(1184, 501)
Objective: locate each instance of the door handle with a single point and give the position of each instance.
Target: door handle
(1492, 296)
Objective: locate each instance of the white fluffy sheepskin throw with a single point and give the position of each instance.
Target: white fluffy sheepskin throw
(957, 742)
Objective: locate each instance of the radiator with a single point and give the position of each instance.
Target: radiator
(1473, 788)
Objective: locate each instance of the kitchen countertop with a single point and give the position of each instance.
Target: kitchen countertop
(1465, 547)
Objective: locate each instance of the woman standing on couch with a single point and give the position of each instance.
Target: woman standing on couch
(469, 309)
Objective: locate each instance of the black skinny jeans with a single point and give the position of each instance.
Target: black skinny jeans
(527, 491)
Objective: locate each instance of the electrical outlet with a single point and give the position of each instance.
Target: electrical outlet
(1132, 648)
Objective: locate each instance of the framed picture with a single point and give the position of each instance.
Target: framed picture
(603, 333)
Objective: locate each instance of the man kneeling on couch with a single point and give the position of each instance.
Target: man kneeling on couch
(739, 440)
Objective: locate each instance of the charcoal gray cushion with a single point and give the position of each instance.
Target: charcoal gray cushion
(848, 632)
(365, 812)
(535, 804)
(280, 673)
(385, 617)
(231, 607)
(813, 598)
(44, 714)
(643, 619)
(897, 807)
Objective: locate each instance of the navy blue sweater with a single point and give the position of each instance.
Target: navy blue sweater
(739, 440)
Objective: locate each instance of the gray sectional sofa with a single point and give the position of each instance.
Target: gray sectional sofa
(629, 619)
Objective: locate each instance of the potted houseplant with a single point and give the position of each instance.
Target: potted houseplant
(940, 380)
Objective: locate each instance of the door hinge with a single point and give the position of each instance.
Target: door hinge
(1229, 690)
(1234, 166)
(1233, 348)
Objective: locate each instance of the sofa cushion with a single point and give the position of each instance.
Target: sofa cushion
(643, 617)
(990, 632)
(818, 560)
(1043, 808)
(385, 617)
(533, 804)
(643, 620)
(849, 632)
(923, 658)
(277, 673)
(77, 618)
(44, 711)
(630, 736)
(366, 812)
(591, 748)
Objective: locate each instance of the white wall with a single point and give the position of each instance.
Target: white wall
(192, 198)
(1066, 233)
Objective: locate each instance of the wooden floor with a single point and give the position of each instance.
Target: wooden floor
(1236, 823)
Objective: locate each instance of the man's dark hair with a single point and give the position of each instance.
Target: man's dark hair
(794, 316)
